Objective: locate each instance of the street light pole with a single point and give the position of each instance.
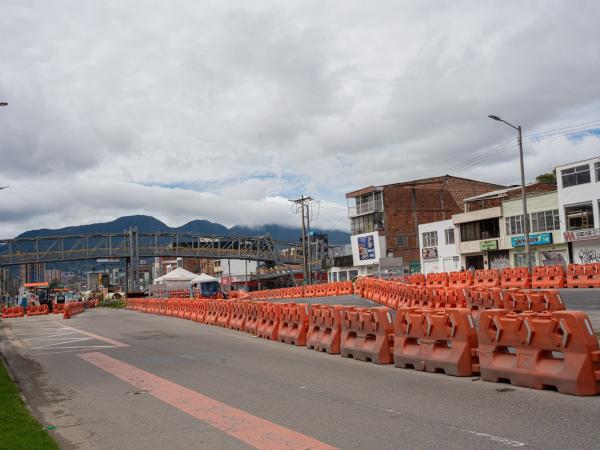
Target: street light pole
(523, 193)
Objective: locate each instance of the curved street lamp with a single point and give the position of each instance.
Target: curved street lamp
(523, 195)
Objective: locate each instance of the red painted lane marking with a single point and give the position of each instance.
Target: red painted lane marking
(252, 430)
(100, 338)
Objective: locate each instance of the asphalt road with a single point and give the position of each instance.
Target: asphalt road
(121, 379)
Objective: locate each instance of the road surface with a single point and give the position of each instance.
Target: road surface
(121, 379)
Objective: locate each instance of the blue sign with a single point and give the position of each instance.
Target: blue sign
(366, 248)
(534, 239)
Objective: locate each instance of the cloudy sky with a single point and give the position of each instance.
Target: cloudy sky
(222, 110)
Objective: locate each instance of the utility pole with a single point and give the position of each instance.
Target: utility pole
(302, 204)
(523, 189)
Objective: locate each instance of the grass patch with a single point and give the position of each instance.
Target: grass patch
(116, 304)
(18, 430)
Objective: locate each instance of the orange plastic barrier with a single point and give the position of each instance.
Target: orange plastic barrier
(460, 279)
(268, 324)
(224, 308)
(37, 310)
(436, 341)
(583, 275)
(321, 290)
(253, 314)
(548, 277)
(517, 277)
(367, 334)
(479, 299)
(12, 312)
(212, 312)
(540, 350)
(345, 288)
(333, 289)
(72, 309)
(238, 315)
(58, 308)
(486, 278)
(324, 328)
(309, 291)
(417, 279)
(437, 279)
(293, 324)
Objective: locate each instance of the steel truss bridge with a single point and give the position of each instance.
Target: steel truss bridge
(133, 246)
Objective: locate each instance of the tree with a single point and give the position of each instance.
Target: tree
(53, 284)
(549, 178)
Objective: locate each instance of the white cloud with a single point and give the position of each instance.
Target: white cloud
(248, 103)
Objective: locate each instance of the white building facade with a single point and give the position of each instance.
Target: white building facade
(437, 245)
(579, 208)
(546, 242)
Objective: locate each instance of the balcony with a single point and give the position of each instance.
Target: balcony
(364, 208)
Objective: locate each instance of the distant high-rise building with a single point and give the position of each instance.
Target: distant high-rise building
(32, 273)
(51, 275)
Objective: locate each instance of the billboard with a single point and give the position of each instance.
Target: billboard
(429, 253)
(534, 239)
(367, 248)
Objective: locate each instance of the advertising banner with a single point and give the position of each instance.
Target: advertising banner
(366, 248)
(430, 253)
(534, 239)
(488, 245)
(582, 235)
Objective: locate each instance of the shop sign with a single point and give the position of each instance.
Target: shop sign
(488, 245)
(582, 235)
(429, 253)
(534, 239)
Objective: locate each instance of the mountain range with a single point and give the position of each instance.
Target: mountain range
(149, 224)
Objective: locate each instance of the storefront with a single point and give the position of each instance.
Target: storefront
(544, 252)
(585, 245)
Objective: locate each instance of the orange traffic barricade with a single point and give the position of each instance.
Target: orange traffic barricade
(268, 324)
(293, 324)
(436, 341)
(324, 328)
(540, 350)
(367, 334)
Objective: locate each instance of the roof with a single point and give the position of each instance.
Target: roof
(430, 180)
(500, 193)
(203, 278)
(179, 274)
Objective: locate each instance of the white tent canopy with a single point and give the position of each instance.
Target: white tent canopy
(179, 274)
(203, 278)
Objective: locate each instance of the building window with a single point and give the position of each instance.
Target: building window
(449, 236)
(539, 222)
(343, 276)
(353, 274)
(575, 175)
(483, 229)
(334, 276)
(514, 225)
(579, 216)
(401, 240)
(597, 169)
(430, 239)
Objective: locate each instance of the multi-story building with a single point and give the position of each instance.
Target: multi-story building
(438, 247)
(481, 235)
(579, 208)
(546, 243)
(234, 272)
(32, 273)
(51, 275)
(384, 220)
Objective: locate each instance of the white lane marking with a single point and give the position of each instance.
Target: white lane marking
(501, 440)
(56, 344)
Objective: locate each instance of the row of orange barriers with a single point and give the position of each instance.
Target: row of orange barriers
(10, 312)
(310, 291)
(396, 295)
(576, 276)
(532, 349)
(37, 310)
(72, 308)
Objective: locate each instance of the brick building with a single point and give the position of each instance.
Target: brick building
(384, 219)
